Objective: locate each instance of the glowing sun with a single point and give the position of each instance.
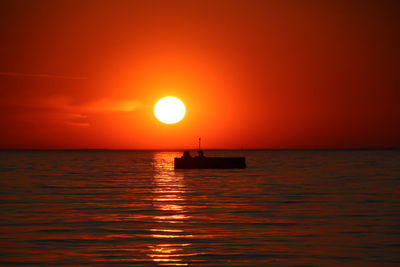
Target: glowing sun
(169, 110)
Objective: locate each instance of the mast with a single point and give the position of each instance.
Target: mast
(199, 143)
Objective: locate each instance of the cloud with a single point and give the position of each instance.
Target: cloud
(80, 115)
(62, 110)
(107, 105)
(79, 120)
(62, 103)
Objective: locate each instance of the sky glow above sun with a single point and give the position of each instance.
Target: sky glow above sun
(169, 110)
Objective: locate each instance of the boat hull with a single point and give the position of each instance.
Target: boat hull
(210, 163)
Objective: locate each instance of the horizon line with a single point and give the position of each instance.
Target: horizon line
(193, 149)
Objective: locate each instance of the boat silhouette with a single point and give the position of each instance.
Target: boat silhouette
(202, 162)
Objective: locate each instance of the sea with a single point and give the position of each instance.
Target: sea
(131, 208)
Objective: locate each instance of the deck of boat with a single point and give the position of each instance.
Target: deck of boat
(210, 163)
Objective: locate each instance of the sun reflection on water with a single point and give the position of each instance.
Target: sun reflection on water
(168, 197)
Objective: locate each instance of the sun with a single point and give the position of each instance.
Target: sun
(169, 110)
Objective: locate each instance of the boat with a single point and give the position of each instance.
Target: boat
(202, 162)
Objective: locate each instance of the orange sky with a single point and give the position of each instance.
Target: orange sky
(253, 74)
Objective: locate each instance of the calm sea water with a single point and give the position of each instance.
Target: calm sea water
(122, 208)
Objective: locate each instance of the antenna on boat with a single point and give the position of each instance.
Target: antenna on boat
(199, 143)
(201, 153)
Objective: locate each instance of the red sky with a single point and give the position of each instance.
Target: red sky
(253, 74)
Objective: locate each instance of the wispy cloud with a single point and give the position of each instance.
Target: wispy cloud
(62, 109)
(80, 115)
(106, 105)
(41, 75)
(79, 120)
